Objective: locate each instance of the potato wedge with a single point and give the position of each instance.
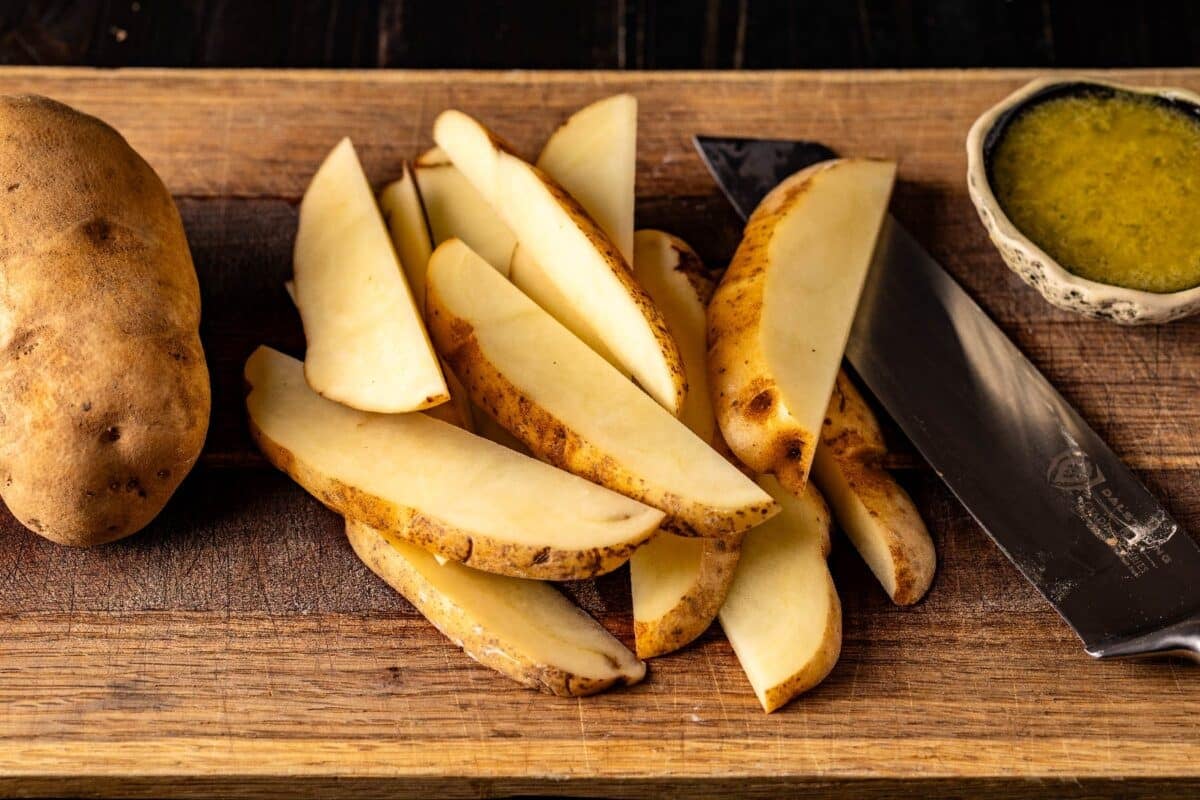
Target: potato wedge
(676, 280)
(524, 629)
(367, 347)
(573, 251)
(571, 408)
(593, 155)
(400, 203)
(541, 289)
(401, 207)
(778, 323)
(440, 487)
(877, 514)
(783, 616)
(457, 412)
(678, 583)
(457, 211)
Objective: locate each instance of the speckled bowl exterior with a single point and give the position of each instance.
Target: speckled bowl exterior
(1060, 287)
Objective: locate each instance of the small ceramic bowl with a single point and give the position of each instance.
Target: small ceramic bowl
(1060, 287)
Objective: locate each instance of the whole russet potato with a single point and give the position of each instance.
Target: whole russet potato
(104, 392)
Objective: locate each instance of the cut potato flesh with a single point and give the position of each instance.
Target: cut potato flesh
(782, 614)
(457, 412)
(593, 155)
(456, 210)
(440, 487)
(367, 347)
(574, 410)
(521, 628)
(575, 254)
(401, 207)
(779, 320)
(678, 583)
(538, 286)
(876, 513)
(675, 278)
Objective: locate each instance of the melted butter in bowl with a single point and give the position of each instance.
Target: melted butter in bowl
(1090, 190)
(1107, 183)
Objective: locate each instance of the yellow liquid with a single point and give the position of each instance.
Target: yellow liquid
(1109, 187)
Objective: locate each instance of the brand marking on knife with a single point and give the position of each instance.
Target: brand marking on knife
(1136, 542)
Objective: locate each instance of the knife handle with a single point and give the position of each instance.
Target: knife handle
(1180, 639)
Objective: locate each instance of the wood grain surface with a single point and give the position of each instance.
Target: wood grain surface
(238, 648)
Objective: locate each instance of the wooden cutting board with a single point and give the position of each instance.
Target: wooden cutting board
(237, 647)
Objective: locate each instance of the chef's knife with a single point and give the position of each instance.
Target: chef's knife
(1033, 474)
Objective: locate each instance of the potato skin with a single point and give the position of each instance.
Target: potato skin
(104, 391)
(556, 444)
(430, 533)
(752, 418)
(821, 665)
(826, 658)
(382, 559)
(867, 500)
(696, 609)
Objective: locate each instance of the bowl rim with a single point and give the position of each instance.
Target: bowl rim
(985, 199)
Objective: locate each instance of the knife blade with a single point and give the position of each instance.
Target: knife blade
(1039, 481)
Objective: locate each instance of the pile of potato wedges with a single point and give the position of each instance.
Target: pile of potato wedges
(506, 384)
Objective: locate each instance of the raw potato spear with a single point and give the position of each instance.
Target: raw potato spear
(521, 628)
(578, 258)
(875, 512)
(400, 203)
(457, 412)
(457, 211)
(778, 323)
(782, 615)
(678, 583)
(367, 347)
(678, 283)
(401, 208)
(593, 155)
(537, 285)
(439, 487)
(574, 410)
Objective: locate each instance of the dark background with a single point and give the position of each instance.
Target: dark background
(617, 34)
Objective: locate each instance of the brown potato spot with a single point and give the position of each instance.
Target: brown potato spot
(761, 404)
(793, 448)
(24, 342)
(98, 230)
